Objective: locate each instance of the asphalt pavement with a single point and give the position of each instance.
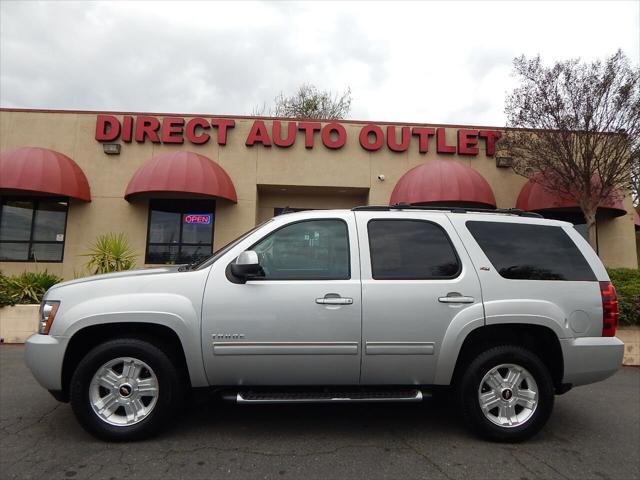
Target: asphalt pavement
(594, 433)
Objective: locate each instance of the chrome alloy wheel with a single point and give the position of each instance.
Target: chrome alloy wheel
(508, 395)
(123, 391)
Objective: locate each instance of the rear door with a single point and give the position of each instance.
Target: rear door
(416, 279)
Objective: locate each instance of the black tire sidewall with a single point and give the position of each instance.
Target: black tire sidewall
(470, 383)
(153, 356)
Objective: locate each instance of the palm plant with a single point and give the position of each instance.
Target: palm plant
(25, 288)
(110, 252)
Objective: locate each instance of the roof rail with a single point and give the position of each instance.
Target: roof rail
(406, 206)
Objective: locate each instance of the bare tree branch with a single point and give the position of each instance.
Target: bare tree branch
(309, 102)
(575, 127)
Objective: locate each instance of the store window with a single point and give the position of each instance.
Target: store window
(33, 229)
(180, 231)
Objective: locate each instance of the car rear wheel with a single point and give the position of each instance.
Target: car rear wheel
(124, 389)
(506, 394)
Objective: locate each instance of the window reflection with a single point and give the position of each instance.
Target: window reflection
(32, 229)
(410, 249)
(180, 231)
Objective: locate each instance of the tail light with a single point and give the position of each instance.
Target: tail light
(609, 309)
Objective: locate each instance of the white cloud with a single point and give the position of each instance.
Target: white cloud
(434, 62)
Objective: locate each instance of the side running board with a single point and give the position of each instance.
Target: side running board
(266, 397)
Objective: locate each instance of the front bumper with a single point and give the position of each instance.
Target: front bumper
(590, 359)
(44, 356)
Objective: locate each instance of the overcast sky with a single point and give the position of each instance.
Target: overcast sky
(434, 62)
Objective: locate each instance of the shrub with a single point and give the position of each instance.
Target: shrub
(627, 283)
(26, 288)
(110, 252)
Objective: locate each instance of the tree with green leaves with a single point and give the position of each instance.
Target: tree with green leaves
(575, 128)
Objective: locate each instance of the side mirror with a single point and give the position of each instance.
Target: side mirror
(246, 266)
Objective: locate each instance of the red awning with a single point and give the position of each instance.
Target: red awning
(181, 173)
(33, 170)
(535, 197)
(443, 182)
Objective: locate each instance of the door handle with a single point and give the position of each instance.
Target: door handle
(455, 297)
(334, 299)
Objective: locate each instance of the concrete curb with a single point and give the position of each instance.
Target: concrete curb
(17, 323)
(631, 338)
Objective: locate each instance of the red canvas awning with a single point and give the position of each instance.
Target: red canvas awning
(181, 174)
(535, 197)
(443, 182)
(34, 170)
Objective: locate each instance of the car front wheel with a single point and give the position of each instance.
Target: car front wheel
(124, 389)
(506, 394)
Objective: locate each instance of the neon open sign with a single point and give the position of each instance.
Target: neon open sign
(198, 218)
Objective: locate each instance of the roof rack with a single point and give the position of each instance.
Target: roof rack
(406, 206)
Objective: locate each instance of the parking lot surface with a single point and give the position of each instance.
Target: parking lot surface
(593, 433)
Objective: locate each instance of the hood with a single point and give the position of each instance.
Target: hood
(128, 273)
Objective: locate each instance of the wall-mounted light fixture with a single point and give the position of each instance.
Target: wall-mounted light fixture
(504, 162)
(111, 148)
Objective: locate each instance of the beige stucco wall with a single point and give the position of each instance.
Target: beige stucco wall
(311, 178)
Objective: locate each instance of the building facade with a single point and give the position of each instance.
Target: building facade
(182, 186)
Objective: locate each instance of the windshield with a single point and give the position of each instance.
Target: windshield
(221, 251)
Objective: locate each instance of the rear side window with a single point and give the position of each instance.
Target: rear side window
(411, 250)
(531, 252)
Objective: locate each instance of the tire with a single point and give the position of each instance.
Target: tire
(124, 389)
(517, 393)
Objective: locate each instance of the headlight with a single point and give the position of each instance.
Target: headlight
(48, 312)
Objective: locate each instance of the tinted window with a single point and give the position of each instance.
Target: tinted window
(411, 250)
(32, 230)
(180, 231)
(311, 250)
(531, 252)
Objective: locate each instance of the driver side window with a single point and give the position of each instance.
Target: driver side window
(308, 250)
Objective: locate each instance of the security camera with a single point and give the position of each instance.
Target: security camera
(381, 177)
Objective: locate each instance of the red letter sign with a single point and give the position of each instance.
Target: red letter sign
(276, 133)
(107, 128)
(259, 134)
(190, 131)
(309, 129)
(147, 127)
(423, 135)
(491, 136)
(341, 137)
(467, 142)
(223, 125)
(171, 126)
(391, 139)
(364, 137)
(442, 142)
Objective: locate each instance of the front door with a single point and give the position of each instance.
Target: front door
(417, 283)
(300, 323)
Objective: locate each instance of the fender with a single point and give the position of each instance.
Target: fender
(173, 311)
(500, 312)
(461, 325)
(534, 312)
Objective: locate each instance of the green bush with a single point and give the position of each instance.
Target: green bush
(110, 252)
(26, 288)
(627, 283)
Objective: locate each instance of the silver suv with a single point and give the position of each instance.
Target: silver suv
(374, 304)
